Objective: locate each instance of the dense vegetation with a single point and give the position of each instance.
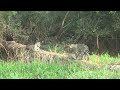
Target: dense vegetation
(100, 30)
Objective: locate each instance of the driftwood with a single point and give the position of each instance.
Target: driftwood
(47, 56)
(18, 51)
(14, 50)
(114, 66)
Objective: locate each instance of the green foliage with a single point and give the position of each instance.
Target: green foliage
(54, 22)
(65, 26)
(7, 15)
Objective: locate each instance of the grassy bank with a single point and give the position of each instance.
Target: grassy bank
(72, 70)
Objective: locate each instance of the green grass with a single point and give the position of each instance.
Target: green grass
(104, 59)
(72, 70)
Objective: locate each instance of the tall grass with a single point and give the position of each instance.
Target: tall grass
(104, 59)
(42, 70)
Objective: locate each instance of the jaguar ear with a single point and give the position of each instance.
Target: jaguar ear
(38, 44)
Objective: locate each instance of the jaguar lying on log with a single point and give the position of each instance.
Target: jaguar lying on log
(18, 51)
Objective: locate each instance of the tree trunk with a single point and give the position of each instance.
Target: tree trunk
(60, 32)
(98, 42)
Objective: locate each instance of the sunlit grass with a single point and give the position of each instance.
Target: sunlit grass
(103, 59)
(73, 70)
